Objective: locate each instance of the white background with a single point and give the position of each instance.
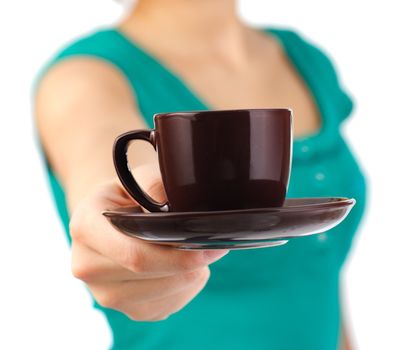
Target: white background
(41, 304)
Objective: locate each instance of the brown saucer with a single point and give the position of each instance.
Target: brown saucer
(233, 229)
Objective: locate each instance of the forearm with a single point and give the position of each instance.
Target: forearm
(88, 179)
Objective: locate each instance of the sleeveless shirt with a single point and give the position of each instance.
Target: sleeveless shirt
(280, 298)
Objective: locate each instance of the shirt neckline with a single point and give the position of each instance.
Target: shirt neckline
(303, 145)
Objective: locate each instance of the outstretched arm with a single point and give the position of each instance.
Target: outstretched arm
(82, 105)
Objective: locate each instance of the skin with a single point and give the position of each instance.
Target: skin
(83, 104)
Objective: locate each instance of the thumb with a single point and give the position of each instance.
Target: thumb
(149, 178)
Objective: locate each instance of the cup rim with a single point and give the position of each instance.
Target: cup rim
(217, 111)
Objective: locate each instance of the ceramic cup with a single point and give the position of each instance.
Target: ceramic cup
(215, 160)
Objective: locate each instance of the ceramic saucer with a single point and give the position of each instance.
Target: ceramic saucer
(233, 229)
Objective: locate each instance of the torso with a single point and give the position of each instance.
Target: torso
(254, 298)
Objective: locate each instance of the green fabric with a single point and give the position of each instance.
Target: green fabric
(280, 298)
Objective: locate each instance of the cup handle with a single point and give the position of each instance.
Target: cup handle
(123, 170)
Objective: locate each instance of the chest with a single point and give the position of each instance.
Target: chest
(268, 80)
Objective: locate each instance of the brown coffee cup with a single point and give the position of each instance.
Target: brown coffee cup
(215, 160)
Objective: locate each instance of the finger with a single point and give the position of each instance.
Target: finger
(145, 258)
(162, 308)
(118, 295)
(151, 181)
(90, 227)
(90, 266)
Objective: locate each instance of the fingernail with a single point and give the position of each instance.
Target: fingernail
(214, 255)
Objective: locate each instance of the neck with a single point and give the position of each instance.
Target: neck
(196, 24)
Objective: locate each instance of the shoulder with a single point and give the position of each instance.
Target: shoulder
(316, 62)
(308, 49)
(80, 98)
(95, 56)
(80, 88)
(84, 68)
(80, 74)
(98, 43)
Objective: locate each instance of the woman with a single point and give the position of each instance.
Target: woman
(170, 55)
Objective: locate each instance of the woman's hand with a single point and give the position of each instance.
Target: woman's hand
(146, 282)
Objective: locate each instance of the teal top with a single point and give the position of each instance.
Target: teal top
(279, 298)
